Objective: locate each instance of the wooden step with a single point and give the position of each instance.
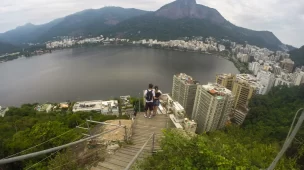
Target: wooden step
(109, 166)
(120, 158)
(117, 162)
(123, 155)
(96, 168)
(126, 152)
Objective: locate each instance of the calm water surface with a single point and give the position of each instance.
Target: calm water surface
(101, 73)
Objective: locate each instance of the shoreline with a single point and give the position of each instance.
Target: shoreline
(240, 66)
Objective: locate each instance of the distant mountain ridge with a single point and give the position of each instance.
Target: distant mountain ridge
(91, 21)
(186, 18)
(177, 19)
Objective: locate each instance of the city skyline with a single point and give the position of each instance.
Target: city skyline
(285, 25)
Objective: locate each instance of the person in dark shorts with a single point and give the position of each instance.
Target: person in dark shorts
(156, 102)
(135, 110)
(149, 95)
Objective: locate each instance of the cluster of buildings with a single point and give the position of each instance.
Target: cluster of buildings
(104, 107)
(214, 105)
(71, 42)
(271, 68)
(110, 107)
(210, 44)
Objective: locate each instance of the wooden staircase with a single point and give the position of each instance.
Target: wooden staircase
(142, 131)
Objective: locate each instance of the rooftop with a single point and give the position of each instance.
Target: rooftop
(96, 105)
(217, 90)
(87, 105)
(225, 75)
(248, 79)
(186, 78)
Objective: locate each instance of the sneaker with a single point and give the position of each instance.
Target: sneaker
(150, 117)
(146, 116)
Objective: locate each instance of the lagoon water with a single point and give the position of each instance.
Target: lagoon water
(101, 73)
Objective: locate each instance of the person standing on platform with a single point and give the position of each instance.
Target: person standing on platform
(149, 96)
(156, 102)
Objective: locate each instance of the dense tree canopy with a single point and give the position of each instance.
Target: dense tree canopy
(297, 56)
(23, 128)
(233, 149)
(271, 115)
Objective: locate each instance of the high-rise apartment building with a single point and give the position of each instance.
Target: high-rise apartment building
(254, 67)
(288, 65)
(226, 80)
(244, 88)
(267, 79)
(184, 91)
(276, 70)
(212, 106)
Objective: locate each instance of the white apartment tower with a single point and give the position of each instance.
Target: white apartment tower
(184, 91)
(212, 107)
(267, 79)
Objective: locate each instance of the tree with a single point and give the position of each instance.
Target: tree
(232, 149)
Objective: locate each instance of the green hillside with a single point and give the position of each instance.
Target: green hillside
(297, 56)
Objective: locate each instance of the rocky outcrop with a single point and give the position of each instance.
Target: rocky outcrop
(190, 9)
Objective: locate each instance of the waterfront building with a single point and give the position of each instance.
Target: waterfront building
(184, 91)
(225, 80)
(244, 88)
(212, 106)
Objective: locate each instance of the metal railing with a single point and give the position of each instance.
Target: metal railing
(141, 150)
(35, 154)
(127, 131)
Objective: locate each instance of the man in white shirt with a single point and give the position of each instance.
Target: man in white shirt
(149, 96)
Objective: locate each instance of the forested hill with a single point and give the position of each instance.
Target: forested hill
(151, 26)
(297, 56)
(177, 19)
(187, 18)
(84, 23)
(7, 48)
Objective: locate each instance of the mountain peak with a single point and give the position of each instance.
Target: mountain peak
(187, 2)
(189, 9)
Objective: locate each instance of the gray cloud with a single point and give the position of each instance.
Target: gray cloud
(285, 18)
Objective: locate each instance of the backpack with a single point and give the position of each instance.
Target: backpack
(149, 95)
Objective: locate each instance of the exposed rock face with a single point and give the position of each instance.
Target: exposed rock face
(189, 9)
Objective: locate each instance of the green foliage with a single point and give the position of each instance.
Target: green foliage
(297, 56)
(63, 161)
(7, 48)
(271, 115)
(84, 23)
(233, 149)
(135, 102)
(23, 128)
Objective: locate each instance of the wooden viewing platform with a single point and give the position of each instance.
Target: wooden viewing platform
(142, 131)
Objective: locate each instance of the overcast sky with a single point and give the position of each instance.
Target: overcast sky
(285, 18)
